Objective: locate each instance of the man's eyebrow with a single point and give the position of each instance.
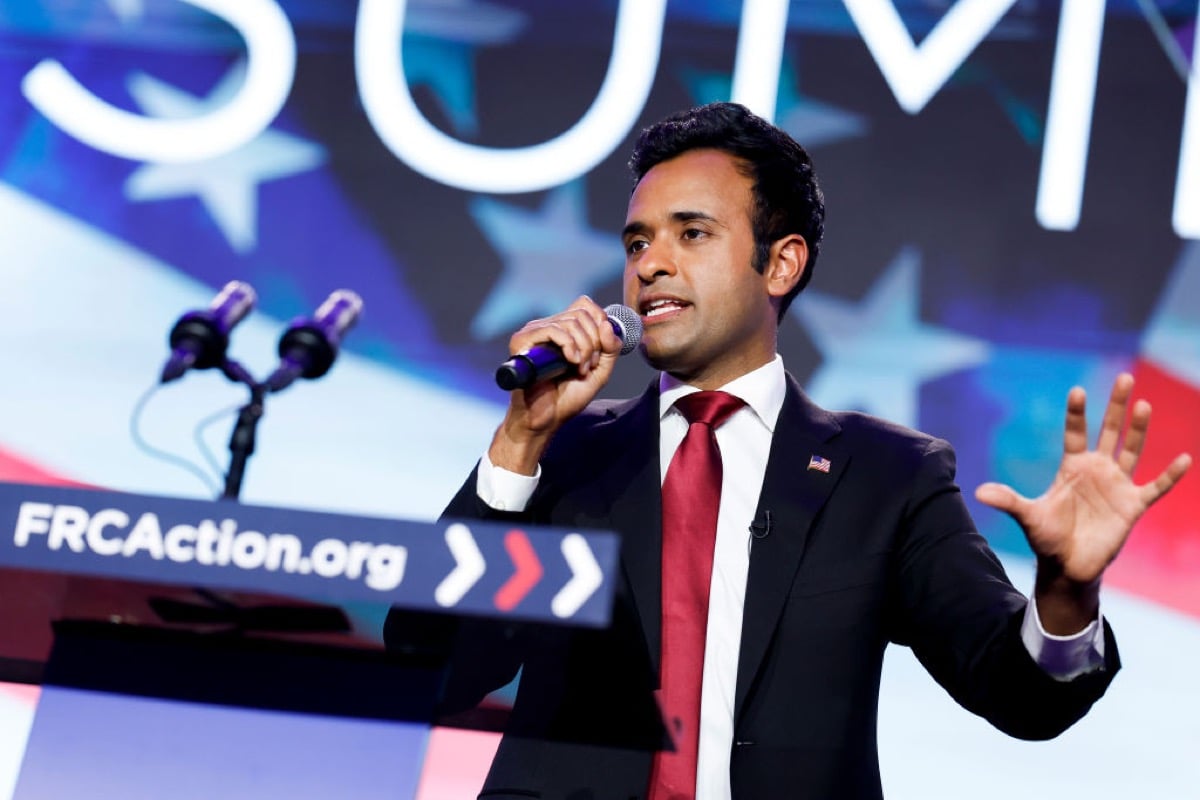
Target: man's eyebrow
(634, 228)
(637, 227)
(692, 216)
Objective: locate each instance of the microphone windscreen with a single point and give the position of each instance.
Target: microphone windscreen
(232, 305)
(627, 325)
(338, 314)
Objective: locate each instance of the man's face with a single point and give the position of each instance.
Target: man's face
(689, 250)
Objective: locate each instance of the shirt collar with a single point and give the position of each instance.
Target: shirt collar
(761, 389)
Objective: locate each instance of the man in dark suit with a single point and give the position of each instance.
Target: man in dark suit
(835, 533)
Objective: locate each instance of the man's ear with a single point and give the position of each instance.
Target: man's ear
(786, 264)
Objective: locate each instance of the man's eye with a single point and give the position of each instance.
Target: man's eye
(693, 233)
(637, 245)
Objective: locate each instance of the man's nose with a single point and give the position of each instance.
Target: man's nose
(658, 260)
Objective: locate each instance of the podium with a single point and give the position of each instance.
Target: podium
(211, 649)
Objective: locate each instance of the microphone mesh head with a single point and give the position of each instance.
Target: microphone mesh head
(626, 324)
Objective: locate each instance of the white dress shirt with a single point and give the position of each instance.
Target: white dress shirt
(745, 443)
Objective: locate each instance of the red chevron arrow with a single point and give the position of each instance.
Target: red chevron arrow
(528, 571)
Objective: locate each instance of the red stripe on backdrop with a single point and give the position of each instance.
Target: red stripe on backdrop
(1161, 560)
(17, 470)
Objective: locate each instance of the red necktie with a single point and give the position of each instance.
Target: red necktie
(691, 495)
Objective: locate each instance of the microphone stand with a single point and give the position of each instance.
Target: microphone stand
(217, 609)
(315, 343)
(241, 442)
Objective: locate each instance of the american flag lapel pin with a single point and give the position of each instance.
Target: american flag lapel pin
(820, 464)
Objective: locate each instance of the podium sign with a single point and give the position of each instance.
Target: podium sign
(206, 709)
(536, 574)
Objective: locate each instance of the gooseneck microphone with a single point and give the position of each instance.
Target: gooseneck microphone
(200, 338)
(309, 346)
(545, 362)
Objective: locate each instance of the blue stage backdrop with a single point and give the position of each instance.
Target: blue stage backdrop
(1013, 192)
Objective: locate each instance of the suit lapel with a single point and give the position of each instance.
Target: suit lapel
(794, 495)
(632, 483)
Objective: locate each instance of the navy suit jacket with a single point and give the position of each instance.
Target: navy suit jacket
(880, 549)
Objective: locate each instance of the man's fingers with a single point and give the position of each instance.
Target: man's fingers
(576, 331)
(594, 321)
(1135, 437)
(1114, 415)
(1003, 498)
(1166, 479)
(585, 337)
(1075, 437)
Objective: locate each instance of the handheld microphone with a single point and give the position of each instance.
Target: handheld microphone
(545, 362)
(200, 338)
(309, 346)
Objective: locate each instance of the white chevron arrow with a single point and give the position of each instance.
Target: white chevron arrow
(585, 579)
(469, 566)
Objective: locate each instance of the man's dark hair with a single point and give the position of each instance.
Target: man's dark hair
(787, 198)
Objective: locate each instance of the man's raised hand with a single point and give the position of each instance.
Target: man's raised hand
(1079, 524)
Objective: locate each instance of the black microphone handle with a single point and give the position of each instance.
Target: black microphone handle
(310, 345)
(199, 339)
(545, 361)
(539, 363)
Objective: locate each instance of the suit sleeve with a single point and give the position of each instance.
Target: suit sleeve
(479, 655)
(962, 617)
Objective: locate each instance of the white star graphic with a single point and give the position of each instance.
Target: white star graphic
(226, 185)
(813, 123)
(878, 352)
(465, 21)
(550, 256)
(127, 10)
(809, 121)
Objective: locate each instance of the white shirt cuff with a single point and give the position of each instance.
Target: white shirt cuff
(1063, 657)
(504, 490)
